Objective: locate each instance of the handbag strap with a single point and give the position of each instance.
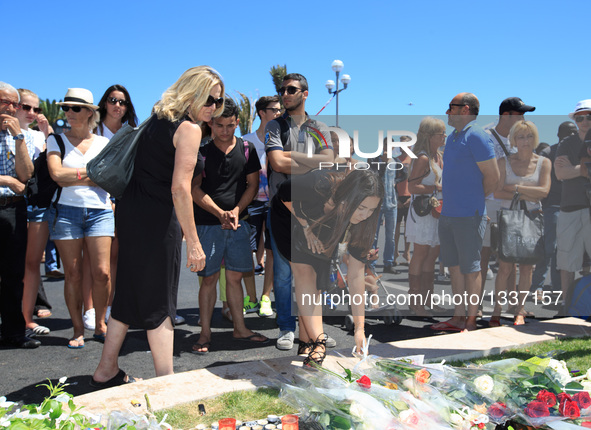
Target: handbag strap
(494, 133)
(516, 203)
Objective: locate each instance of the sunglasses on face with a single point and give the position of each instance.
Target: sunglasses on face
(114, 100)
(580, 118)
(75, 109)
(211, 100)
(9, 103)
(28, 108)
(451, 105)
(290, 90)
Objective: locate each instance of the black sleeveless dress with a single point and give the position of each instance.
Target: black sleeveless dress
(150, 236)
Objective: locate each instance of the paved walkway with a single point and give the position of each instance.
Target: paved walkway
(168, 391)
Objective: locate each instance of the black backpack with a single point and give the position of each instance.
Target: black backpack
(41, 187)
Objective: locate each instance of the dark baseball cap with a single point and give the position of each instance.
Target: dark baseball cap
(514, 104)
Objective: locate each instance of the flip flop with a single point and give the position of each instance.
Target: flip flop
(201, 346)
(77, 340)
(118, 379)
(445, 326)
(46, 313)
(251, 338)
(38, 330)
(494, 322)
(100, 337)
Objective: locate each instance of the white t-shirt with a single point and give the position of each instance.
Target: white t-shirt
(263, 194)
(38, 138)
(106, 132)
(81, 196)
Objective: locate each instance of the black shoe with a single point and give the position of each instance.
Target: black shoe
(391, 269)
(259, 270)
(21, 342)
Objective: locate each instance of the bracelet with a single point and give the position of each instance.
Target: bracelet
(305, 227)
(78, 171)
(516, 188)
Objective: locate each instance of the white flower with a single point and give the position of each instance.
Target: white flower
(408, 416)
(481, 419)
(586, 386)
(484, 384)
(456, 419)
(4, 403)
(357, 410)
(63, 379)
(589, 374)
(63, 398)
(560, 371)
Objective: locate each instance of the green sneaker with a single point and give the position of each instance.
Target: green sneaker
(265, 308)
(250, 307)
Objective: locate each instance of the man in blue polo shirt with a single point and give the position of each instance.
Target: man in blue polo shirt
(470, 173)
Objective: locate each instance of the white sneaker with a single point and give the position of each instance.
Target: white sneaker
(89, 319)
(285, 340)
(108, 314)
(489, 274)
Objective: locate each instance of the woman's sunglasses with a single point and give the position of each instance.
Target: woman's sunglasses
(75, 109)
(211, 100)
(114, 100)
(28, 108)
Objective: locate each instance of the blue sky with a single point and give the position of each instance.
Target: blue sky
(396, 52)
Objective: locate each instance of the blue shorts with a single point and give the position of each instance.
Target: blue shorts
(232, 247)
(76, 223)
(461, 241)
(36, 214)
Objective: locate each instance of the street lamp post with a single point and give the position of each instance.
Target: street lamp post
(337, 66)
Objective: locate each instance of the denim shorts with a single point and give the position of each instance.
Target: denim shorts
(72, 222)
(461, 241)
(36, 214)
(232, 247)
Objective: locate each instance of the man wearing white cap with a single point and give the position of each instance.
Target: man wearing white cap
(574, 220)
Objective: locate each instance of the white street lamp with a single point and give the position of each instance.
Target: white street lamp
(337, 66)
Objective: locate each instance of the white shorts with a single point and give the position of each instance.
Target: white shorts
(573, 237)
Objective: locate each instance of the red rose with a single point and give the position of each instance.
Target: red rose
(564, 396)
(569, 409)
(586, 424)
(582, 399)
(481, 425)
(537, 409)
(497, 410)
(364, 382)
(546, 397)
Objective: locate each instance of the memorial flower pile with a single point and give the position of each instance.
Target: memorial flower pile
(406, 393)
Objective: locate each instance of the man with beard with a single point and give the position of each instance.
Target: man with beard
(295, 144)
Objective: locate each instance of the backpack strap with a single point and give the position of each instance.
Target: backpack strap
(62, 146)
(494, 133)
(284, 126)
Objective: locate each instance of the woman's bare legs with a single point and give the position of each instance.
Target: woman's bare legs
(99, 252)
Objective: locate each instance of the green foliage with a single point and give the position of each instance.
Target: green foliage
(278, 72)
(247, 113)
(52, 111)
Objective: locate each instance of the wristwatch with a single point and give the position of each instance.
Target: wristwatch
(19, 137)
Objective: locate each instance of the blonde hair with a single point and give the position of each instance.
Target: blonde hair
(24, 92)
(189, 94)
(527, 126)
(429, 126)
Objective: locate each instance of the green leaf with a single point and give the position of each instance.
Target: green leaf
(340, 423)
(71, 405)
(400, 406)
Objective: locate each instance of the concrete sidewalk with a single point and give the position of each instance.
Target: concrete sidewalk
(168, 391)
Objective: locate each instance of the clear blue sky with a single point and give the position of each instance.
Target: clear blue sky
(397, 52)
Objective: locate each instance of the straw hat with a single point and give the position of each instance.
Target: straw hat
(79, 97)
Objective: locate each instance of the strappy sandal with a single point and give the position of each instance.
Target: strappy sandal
(305, 347)
(314, 355)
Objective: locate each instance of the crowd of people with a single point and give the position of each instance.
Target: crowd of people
(262, 195)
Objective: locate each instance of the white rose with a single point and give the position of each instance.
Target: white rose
(586, 386)
(561, 371)
(456, 419)
(589, 374)
(484, 384)
(408, 416)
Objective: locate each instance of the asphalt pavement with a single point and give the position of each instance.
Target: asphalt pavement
(23, 370)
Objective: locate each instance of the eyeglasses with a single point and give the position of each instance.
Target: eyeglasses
(28, 108)
(455, 104)
(580, 118)
(9, 103)
(211, 100)
(274, 110)
(114, 100)
(290, 90)
(75, 109)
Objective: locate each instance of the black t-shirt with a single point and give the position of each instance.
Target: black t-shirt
(224, 177)
(573, 195)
